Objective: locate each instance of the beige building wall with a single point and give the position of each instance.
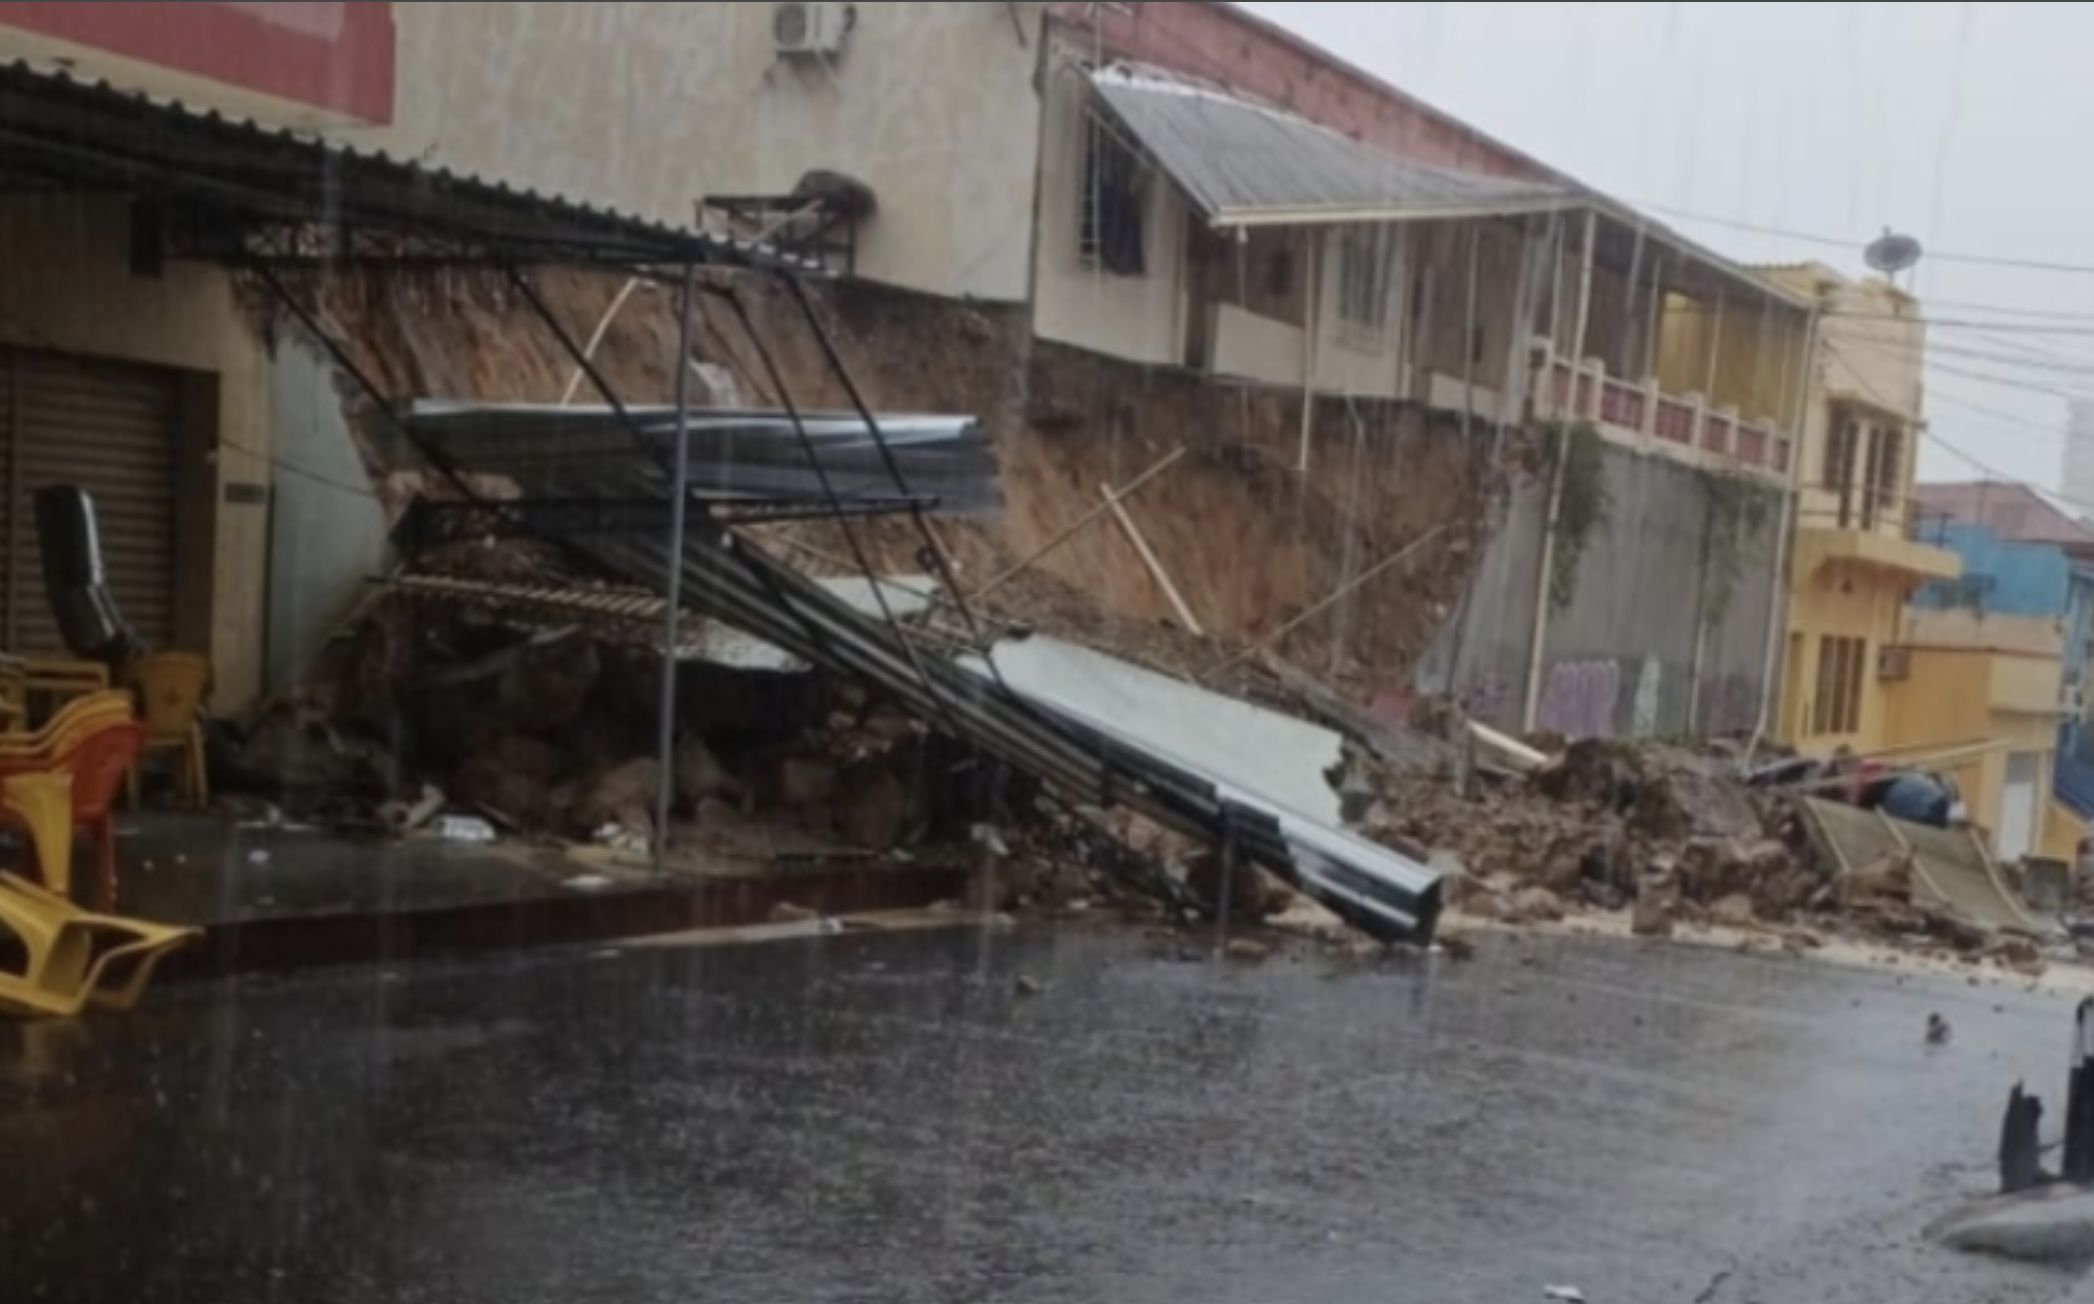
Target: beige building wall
(69, 289)
(1869, 356)
(647, 107)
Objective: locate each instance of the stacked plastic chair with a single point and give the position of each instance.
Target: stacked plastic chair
(53, 780)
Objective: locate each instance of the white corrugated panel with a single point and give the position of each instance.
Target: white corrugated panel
(109, 428)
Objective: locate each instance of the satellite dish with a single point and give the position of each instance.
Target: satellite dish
(1891, 253)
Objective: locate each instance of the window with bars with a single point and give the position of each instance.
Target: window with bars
(1109, 205)
(1842, 672)
(1363, 278)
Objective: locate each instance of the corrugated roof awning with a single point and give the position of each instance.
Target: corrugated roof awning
(1243, 164)
(57, 133)
(581, 453)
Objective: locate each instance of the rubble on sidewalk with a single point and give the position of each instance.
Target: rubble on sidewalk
(1678, 839)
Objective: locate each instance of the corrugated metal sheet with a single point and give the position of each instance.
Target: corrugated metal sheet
(57, 128)
(1242, 163)
(728, 578)
(736, 454)
(1948, 868)
(635, 616)
(109, 428)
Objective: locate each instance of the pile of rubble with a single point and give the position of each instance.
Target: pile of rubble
(1669, 835)
(550, 730)
(419, 709)
(1607, 826)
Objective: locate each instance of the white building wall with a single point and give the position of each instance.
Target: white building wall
(647, 107)
(1140, 318)
(1355, 357)
(1350, 357)
(1255, 347)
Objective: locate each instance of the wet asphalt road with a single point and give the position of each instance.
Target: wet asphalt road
(884, 1117)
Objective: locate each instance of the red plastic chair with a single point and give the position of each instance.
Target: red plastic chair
(98, 761)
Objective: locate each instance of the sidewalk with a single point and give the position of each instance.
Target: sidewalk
(293, 896)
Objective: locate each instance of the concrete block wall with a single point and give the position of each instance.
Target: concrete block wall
(1660, 637)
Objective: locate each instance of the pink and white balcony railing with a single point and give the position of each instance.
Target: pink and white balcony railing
(1683, 424)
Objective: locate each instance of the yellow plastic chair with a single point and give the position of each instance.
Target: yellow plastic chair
(43, 801)
(81, 715)
(59, 680)
(171, 689)
(75, 956)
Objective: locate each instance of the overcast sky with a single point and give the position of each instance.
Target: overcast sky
(1965, 125)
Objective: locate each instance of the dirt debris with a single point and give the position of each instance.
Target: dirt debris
(1671, 835)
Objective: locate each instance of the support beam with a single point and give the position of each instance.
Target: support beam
(1652, 340)
(1708, 384)
(603, 325)
(1312, 326)
(1148, 556)
(1799, 417)
(672, 597)
(1074, 527)
(1538, 644)
(1468, 337)
(1334, 595)
(1584, 318)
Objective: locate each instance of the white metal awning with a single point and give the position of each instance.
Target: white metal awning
(1244, 164)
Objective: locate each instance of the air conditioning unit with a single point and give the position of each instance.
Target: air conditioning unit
(811, 26)
(1894, 663)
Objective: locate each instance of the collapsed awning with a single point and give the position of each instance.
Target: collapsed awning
(1069, 744)
(591, 455)
(1244, 164)
(634, 616)
(1950, 870)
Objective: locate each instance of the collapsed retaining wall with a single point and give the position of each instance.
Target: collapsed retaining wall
(1659, 603)
(1250, 541)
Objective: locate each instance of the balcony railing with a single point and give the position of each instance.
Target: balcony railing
(1682, 424)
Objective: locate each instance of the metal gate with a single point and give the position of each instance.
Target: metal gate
(110, 428)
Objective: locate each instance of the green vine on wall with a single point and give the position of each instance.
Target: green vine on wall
(1737, 513)
(1583, 504)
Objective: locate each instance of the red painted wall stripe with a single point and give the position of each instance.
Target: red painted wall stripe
(337, 57)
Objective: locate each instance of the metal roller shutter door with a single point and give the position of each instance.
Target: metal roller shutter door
(109, 428)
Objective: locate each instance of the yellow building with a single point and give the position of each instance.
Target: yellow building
(1852, 566)
(1989, 658)
(1962, 676)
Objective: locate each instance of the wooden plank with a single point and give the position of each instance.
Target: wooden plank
(1070, 530)
(1148, 556)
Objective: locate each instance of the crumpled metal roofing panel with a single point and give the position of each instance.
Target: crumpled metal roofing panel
(59, 129)
(728, 579)
(1949, 869)
(1242, 163)
(582, 452)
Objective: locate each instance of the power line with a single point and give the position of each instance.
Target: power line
(2021, 352)
(343, 486)
(1958, 451)
(1968, 305)
(1981, 260)
(1964, 323)
(1936, 394)
(1909, 352)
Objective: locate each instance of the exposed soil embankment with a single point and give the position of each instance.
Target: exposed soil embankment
(1250, 540)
